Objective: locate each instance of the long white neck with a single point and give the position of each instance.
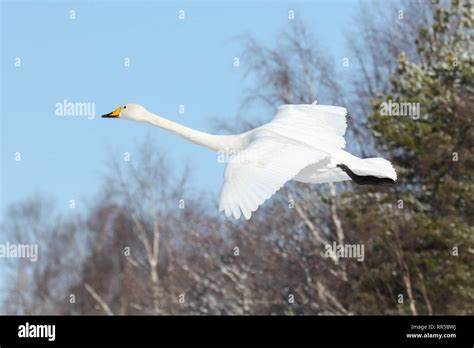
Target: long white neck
(218, 143)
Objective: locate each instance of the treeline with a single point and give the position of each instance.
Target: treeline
(148, 245)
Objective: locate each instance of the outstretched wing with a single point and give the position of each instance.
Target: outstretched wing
(298, 136)
(321, 126)
(261, 169)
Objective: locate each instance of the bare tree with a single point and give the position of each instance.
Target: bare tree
(382, 31)
(38, 287)
(149, 244)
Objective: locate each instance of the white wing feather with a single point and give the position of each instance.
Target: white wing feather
(321, 126)
(259, 171)
(298, 136)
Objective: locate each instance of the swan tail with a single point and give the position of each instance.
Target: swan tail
(370, 171)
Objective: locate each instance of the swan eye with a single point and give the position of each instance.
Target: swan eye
(125, 106)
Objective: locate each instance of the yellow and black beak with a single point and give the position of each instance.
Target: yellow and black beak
(114, 113)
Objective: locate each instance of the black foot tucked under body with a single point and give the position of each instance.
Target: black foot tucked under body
(366, 179)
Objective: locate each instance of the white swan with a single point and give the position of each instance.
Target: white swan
(303, 143)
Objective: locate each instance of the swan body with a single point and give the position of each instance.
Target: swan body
(303, 142)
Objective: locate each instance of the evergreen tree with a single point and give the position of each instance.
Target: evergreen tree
(419, 235)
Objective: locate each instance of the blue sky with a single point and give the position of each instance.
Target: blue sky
(172, 62)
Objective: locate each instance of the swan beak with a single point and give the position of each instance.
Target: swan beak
(113, 114)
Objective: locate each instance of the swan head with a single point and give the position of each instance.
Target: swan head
(130, 111)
